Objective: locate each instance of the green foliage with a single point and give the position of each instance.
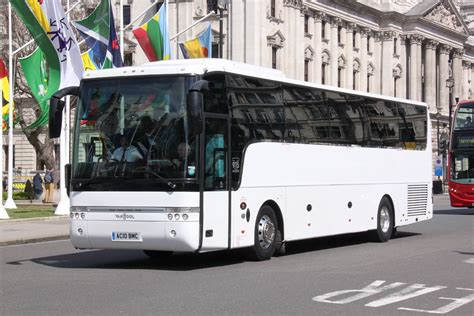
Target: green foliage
(17, 196)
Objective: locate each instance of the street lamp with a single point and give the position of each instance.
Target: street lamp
(221, 6)
(450, 85)
(438, 115)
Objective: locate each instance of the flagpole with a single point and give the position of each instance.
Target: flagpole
(121, 28)
(10, 203)
(3, 211)
(64, 204)
(191, 26)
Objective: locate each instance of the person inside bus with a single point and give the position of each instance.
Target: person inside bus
(126, 152)
(184, 164)
(468, 122)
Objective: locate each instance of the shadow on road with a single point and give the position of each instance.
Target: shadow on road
(322, 243)
(136, 259)
(460, 211)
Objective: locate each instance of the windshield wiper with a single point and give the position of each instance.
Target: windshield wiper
(147, 170)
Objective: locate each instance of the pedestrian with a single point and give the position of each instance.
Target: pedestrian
(49, 184)
(5, 183)
(38, 186)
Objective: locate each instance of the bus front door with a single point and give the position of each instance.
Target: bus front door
(215, 198)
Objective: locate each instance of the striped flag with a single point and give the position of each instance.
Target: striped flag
(5, 88)
(153, 35)
(200, 47)
(50, 28)
(98, 29)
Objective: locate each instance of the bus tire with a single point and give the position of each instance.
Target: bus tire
(265, 234)
(384, 221)
(157, 254)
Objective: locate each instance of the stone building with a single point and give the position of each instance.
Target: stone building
(420, 50)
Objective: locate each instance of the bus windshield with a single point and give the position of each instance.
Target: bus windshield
(464, 117)
(133, 135)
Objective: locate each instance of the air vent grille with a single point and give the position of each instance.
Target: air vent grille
(417, 199)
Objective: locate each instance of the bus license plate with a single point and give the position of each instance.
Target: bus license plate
(126, 236)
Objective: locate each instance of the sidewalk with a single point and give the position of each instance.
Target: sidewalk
(23, 231)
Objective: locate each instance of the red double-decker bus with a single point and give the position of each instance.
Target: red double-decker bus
(461, 156)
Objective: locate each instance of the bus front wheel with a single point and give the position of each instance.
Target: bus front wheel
(265, 234)
(384, 221)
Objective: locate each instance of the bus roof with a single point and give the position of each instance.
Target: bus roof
(206, 65)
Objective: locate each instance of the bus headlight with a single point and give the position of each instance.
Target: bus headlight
(185, 217)
(170, 216)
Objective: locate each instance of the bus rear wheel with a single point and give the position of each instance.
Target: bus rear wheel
(266, 228)
(384, 221)
(157, 254)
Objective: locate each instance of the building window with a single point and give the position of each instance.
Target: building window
(306, 22)
(354, 79)
(323, 74)
(215, 50)
(368, 43)
(323, 30)
(272, 8)
(128, 59)
(274, 57)
(211, 6)
(339, 31)
(306, 70)
(368, 83)
(126, 15)
(354, 34)
(339, 76)
(395, 42)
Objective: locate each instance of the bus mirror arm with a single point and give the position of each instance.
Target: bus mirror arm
(195, 104)
(56, 106)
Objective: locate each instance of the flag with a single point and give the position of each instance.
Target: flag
(153, 35)
(36, 75)
(89, 60)
(98, 30)
(5, 88)
(200, 47)
(50, 28)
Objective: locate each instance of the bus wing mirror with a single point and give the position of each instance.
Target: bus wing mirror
(194, 105)
(56, 106)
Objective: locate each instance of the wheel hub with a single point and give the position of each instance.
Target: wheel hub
(266, 232)
(384, 219)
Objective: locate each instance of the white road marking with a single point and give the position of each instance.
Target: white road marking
(405, 294)
(471, 260)
(458, 302)
(411, 291)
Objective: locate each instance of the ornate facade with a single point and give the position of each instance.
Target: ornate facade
(421, 50)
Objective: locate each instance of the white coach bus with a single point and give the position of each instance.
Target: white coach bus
(205, 155)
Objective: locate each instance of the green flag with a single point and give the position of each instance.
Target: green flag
(36, 75)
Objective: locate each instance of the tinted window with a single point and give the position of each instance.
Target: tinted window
(215, 100)
(412, 122)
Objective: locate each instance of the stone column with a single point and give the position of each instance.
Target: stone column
(403, 62)
(317, 44)
(466, 68)
(419, 69)
(430, 73)
(386, 63)
(363, 58)
(443, 75)
(334, 50)
(349, 55)
(378, 64)
(457, 73)
(414, 77)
